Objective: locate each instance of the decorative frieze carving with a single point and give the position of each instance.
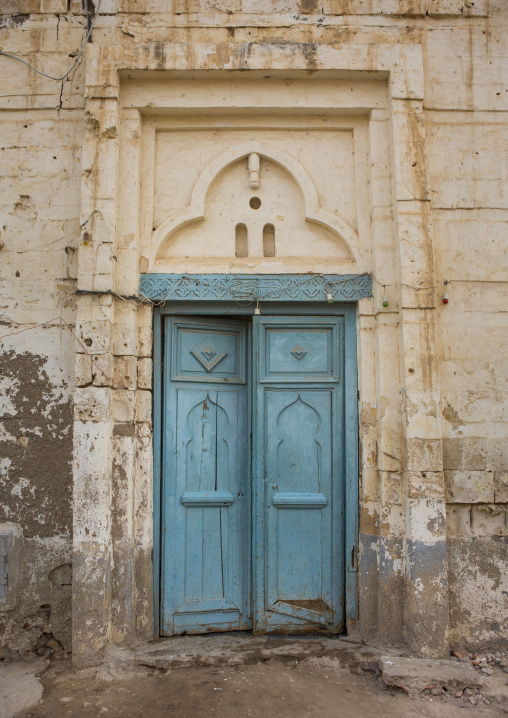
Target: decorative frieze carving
(266, 287)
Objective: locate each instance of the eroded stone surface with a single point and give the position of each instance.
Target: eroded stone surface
(414, 675)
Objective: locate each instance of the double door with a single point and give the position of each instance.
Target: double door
(253, 475)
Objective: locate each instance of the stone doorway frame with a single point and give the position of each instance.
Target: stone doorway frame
(403, 571)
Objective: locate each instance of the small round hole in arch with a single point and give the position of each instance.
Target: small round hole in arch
(255, 202)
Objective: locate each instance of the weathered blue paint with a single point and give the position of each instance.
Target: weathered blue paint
(305, 615)
(265, 287)
(300, 500)
(207, 498)
(351, 462)
(158, 353)
(299, 473)
(206, 479)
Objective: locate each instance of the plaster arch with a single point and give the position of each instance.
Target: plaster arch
(195, 212)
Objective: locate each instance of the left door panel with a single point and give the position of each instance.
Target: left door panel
(205, 567)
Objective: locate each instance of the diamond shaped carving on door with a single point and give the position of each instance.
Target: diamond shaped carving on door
(208, 353)
(298, 352)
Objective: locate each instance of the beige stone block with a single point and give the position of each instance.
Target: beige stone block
(500, 487)
(391, 488)
(127, 274)
(102, 369)
(369, 518)
(144, 345)
(460, 177)
(458, 519)
(123, 465)
(95, 336)
(103, 282)
(72, 262)
(106, 300)
(91, 404)
(390, 447)
(372, 7)
(468, 453)
(424, 454)
(27, 7)
(464, 487)
(370, 485)
(104, 259)
(475, 454)
(473, 406)
(125, 372)
(123, 406)
(269, 6)
(408, 128)
(489, 520)
(124, 341)
(145, 373)
(426, 484)
(414, 227)
(497, 450)
(381, 180)
(366, 352)
(456, 236)
(145, 316)
(368, 446)
(83, 370)
(144, 406)
(426, 520)
(144, 429)
(461, 8)
(91, 488)
(101, 311)
(392, 522)
(453, 454)
(448, 45)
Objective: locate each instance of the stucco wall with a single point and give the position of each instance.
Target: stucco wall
(59, 164)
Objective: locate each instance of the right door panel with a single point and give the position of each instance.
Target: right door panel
(299, 467)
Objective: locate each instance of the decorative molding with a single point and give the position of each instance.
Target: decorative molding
(207, 355)
(207, 498)
(300, 500)
(298, 352)
(252, 287)
(196, 209)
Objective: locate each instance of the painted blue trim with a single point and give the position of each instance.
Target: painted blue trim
(249, 287)
(351, 469)
(158, 354)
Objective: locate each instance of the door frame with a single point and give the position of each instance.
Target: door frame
(234, 305)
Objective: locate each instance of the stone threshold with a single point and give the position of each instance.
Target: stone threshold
(397, 670)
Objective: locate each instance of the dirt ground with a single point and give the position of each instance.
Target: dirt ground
(273, 689)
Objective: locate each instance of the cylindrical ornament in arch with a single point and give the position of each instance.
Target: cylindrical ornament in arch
(253, 165)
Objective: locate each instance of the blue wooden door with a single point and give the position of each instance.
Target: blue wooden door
(299, 474)
(206, 536)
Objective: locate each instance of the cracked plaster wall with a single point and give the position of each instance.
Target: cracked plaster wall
(42, 124)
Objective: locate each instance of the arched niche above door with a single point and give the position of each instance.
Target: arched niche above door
(228, 194)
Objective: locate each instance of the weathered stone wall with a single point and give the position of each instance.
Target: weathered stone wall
(40, 175)
(59, 164)
(465, 110)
